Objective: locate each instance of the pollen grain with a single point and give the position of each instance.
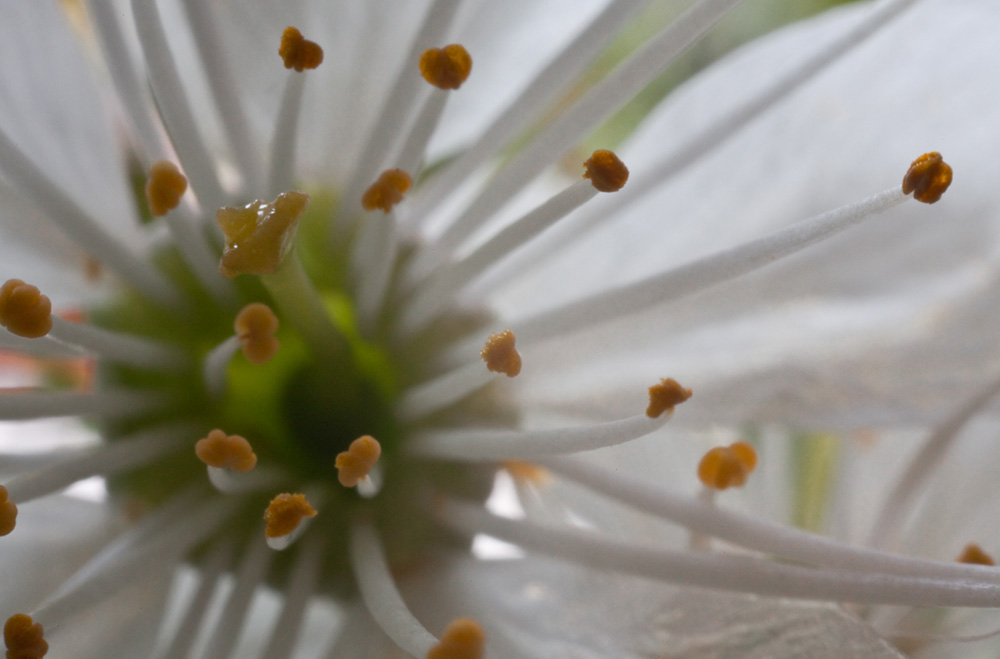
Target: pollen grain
(727, 466)
(927, 178)
(975, 555)
(297, 52)
(390, 188)
(446, 68)
(500, 354)
(226, 451)
(665, 396)
(259, 235)
(285, 513)
(462, 639)
(255, 327)
(354, 464)
(164, 187)
(8, 513)
(24, 311)
(24, 638)
(606, 171)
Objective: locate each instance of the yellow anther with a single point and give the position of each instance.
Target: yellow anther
(606, 171)
(526, 472)
(927, 178)
(974, 554)
(500, 354)
(727, 466)
(24, 638)
(259, 235)
(24, 311)
(226, 451)
(664, 396)
(390, 188)
(8, 513)
(354, 464)
(165, 187)
(285, 513)
(446, 68)
(255, 327)
(297, 52)
(462, 639)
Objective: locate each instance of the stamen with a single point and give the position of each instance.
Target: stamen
(284, 515)
(303, 580)
(297, 52)
(8, 513)
(387, 191)
(164, 187)
(500, 354)
(462, 639)
(380, 595)
(441, 288)
(224, 451)
(285, 138)
(118, 347)
(255, 327)
(665, 396)
(24, 638)
(354, 464)
(606, 171)
(172, 102)
(928, 178)
(106, 403)
(727, 466)
(24, 311)
(259, 235)
(446, 68)
(718, 571)
(974, 555)
(373, 257)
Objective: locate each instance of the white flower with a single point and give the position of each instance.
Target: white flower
(397, 229)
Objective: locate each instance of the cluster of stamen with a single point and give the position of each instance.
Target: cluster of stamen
(285, 513)
(663, 397)
(24, 311)
(606, 171)
(297, 52)
(727, 466)
(446, 68)
(390, 188)
(500, 354)
(354, 464)
(224, 451)
(8, 513)
(259, 235)
(927, 178)
(462, 639)
(255, 327)
(164, 187)
(24, 638)
(974, 554)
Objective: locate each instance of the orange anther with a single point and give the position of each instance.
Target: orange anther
(664, 396)
(259, 235)
(727, 466)
(390, 188)
(446, 68)
(24, 311)
(255, 327)
(297, 52)
(285, 513)
(357, 461)
(8, 513)
(462, 639)
(165, 187)
(24, 638)
(927, 178)
(500, 354)
(526, 472)
(606, 171)
(974, 554)
(226, 451)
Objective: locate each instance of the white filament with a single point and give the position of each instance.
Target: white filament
(372, 258)
(216, 563)
(119, 347)
(429, 397)
(411, 154)
(105, 403)
(286, 135)
(216, 365)
(300, 587)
